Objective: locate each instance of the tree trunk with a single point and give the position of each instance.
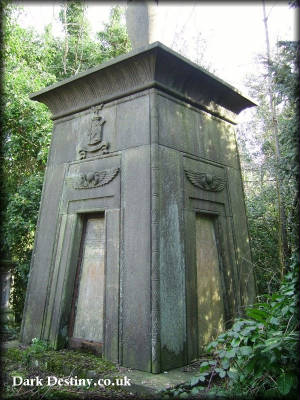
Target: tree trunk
(282, 239)
(66, 47)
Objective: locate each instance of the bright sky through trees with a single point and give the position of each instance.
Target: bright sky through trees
(234, 32)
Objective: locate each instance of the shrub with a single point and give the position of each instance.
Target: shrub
(259, 355)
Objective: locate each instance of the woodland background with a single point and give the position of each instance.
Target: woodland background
(259, 353)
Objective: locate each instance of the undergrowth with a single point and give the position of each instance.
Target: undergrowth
(39, 360)
(259, 356)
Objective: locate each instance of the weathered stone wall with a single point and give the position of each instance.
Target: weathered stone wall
(166, 161)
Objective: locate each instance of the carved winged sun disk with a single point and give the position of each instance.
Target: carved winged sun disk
(93, 179)
(205, 181)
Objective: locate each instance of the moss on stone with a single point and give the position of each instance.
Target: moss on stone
(29, 363)
(70, 361)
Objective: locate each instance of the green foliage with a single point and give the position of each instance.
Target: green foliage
(38, 346)
(285, 74)
(263, 230)
(31, 62)
(271, 181)
(114, 39)
(40, 360)
(19, 228)
(26, 128)
(73, 15)
(259, 355)
(26, 124)
(77, 51)
(73, 51)
(41, 353)
(9, 330)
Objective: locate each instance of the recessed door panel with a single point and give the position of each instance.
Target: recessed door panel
(89, 300)
(209, 289)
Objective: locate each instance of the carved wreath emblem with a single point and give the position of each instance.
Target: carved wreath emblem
(95, 137)
(206, 181)
(93, 179)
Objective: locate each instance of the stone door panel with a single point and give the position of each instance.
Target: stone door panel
(91, 187)
(211, 269)
(211, 312)
(88, 300)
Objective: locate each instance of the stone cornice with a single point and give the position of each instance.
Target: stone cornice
(153, 66)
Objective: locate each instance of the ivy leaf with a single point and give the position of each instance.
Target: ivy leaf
(274, 321)
(212, 345)
(194, 380)
(183, 395)
(204, 368)
(246, 331)
(230, 353)
(225, 363)
(285, 310)
(235, 342)
(257, 315)
(222, 353)
(237, 326)
(232, 375)
(285, 383)
(196, 390)
(220, 372)
(204, 364)
(176, 392)
(246, 350)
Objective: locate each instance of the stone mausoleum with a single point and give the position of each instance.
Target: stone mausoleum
(141, 249)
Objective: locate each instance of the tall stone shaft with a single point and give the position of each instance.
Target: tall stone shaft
(142, 23)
